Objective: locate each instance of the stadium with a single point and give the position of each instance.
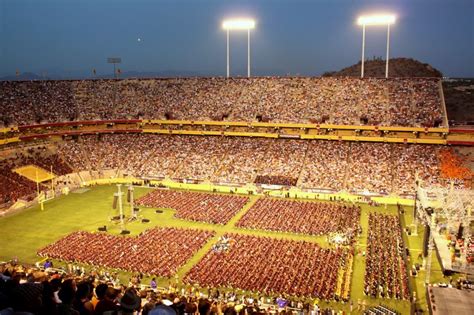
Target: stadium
(259, 194)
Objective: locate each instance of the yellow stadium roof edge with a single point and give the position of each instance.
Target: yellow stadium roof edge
(374, 139)
(211, 133)
(293, 125)
(301, 136)
(10, 129)
(9, 140)
(383, 134)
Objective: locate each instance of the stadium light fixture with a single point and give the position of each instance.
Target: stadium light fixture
(238, 25)
(375, 20)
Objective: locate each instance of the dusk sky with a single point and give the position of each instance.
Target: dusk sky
(307, 37)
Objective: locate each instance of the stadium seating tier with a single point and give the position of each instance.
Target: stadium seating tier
(335, 100)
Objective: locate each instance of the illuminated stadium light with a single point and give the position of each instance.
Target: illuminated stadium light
(375, 20)
(236, 25)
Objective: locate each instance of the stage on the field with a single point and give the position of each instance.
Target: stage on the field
(451, 301)
(445, 256)
(34, 173)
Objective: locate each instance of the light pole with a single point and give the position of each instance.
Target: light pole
(374, 20)
(228, 52)
(238, 24)
(363, 52)
(114, 60)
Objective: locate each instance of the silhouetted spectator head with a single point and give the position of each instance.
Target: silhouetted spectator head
(68, 291)
(100, 291)
(28, 297)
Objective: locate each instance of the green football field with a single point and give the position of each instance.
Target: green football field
(23, 233)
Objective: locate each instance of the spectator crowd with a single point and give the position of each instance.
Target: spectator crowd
(379, 168)
(336, 100)
(316, 165)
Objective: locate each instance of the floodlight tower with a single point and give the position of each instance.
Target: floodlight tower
(375, 20)
(238, 24)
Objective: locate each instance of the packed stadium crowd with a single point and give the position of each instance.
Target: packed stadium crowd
(277, 266)
(338, 100)
(47, 291)
(323, 165)
(315, 218)
(211, 208)
(156, 251)
(374, 168)
(385, 268)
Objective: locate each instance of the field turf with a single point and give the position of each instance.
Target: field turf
(23, 233)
